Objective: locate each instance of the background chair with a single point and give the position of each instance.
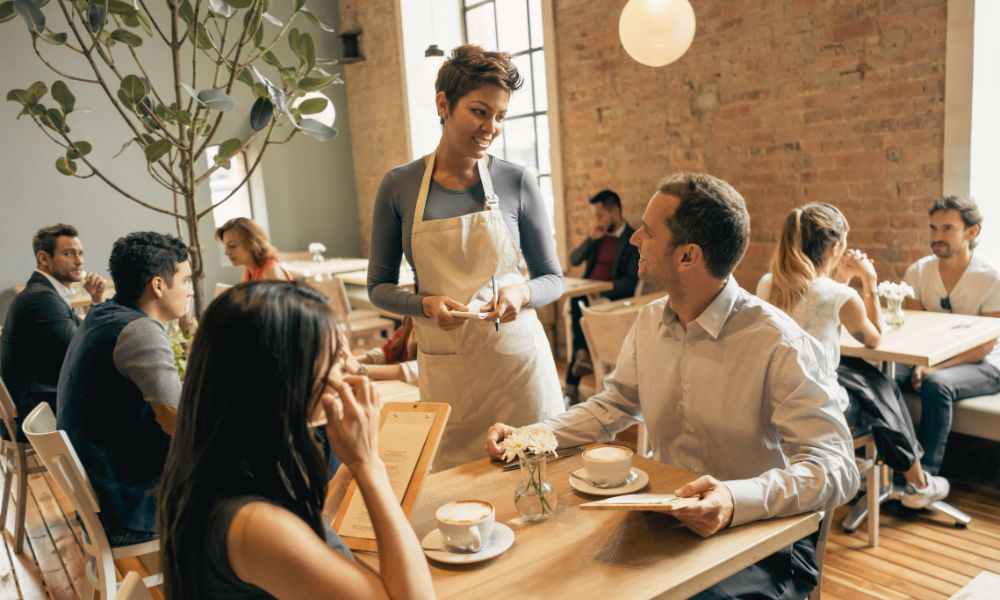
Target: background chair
(363, 326)
(132, 588)
(605, 332)
(57, 454)
(14, 462)
(220, 288)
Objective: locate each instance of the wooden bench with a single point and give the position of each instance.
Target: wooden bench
(978, 416)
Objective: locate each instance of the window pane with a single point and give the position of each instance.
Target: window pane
(519, 135)
(521, 101)
(512, 24)
(481, 27)
(535, 19)
(469, 2)
(538, 70)
(222, 182)
(545, 183)
(542, 129)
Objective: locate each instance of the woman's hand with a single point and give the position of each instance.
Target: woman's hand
(510, 299)
(856, 263)
(352, 418)
(439, 309)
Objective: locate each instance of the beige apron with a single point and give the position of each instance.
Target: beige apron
(485, 376)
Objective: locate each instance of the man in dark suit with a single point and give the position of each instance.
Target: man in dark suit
(41, 322)
(609, 257)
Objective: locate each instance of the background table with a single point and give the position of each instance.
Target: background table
(583, 554)
(304, 269)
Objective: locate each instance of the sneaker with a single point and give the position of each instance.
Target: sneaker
(582, 366)
(937, 488)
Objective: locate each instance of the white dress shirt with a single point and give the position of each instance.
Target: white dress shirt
(742, 395)
(65, 292)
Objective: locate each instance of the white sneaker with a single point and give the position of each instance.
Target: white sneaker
(937, 488)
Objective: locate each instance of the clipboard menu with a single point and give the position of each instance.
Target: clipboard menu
(409, 435)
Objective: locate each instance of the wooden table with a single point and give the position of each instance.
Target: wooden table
(304, 269)
(397, 391)
(627, 305)
(925, 338)
(573, 287)
(81, 299)
(360, 279)
(593, 554)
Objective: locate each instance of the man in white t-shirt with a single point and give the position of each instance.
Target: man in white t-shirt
(954, 280)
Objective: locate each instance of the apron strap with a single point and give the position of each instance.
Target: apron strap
(425, 186)
(492, 200)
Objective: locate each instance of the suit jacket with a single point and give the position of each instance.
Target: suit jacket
(36, 334)
(624, 267)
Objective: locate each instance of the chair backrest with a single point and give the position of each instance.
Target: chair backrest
(293, 256)
(8, 411)
(132, 588)
(54, 449)
(337, 293)
(220, 288)
(605, 332)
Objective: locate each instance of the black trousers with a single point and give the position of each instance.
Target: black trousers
(579, 340)
(791, 572)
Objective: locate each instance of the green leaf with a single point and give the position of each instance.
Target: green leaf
(7, 11)
(156, 150)
(315, 21)
(239, 3)
(271, 59)
(260, 90)
(145, 23)
(307, 49)
(126, 37)
(215, 99)
(134, 88)
(252, 21)
(273, 20)
(261, 114)
(117, 7)
(314, 84)
(183, 117)
(65, 166)
(227, 149)
(31, 14)
(298, 5)
(27, 98)
(245, 77)
(220, 8)
(56, 39)
(312, 106)
(54, 120)
(317, 130)
(96, 17)
(131, 19)
(186, 12)
(293, 40)
(82, 149)
(38, 89)
(203, 39)
(258, 37)
(62, 95)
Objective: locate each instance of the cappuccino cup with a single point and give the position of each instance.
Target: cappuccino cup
(466, 525)
(608, 465)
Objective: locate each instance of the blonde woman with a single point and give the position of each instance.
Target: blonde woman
(245, 244)
(808, 280)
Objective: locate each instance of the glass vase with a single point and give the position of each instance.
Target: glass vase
(535, 496)
(894, 315)
(317, 256)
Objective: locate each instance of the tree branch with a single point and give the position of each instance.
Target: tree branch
(153, 21)
(38, 53)
(213, 206)
(208, 172)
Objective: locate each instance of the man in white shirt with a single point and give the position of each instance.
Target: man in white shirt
(954, 279)
(728, 386)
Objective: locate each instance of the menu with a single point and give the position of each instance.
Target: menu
(657, 502)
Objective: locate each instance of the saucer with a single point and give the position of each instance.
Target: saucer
(641, 480)
(502, 539)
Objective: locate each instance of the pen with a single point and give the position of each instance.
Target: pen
(495, 303)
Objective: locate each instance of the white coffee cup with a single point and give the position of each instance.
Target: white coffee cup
(466, 525)
(608, 465)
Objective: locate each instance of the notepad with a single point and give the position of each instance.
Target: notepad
(656, 502)
(468, 314)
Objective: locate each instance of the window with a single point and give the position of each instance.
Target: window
(515, 26)
(247, 201)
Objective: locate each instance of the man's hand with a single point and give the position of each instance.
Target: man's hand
(494, 435)
(94, 285)
(714, 509)
(918, 375)
(597, 232)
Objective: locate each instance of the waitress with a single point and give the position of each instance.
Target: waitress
(463, 218)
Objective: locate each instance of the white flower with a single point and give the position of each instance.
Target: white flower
(528, 440)
(895, 291)
(315, 247)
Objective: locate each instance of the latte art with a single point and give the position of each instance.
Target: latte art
(608, 454)
(463, 512)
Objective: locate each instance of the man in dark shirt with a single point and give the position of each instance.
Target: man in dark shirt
(119, 388)
(609, 257)
(41, 322)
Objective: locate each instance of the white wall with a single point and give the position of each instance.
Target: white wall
(984, 158)
(309, 185)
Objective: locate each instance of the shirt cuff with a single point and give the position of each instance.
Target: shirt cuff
(748, 501)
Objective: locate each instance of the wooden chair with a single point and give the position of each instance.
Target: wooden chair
(220, 288)
(605, 333)
(362, 325)
(294, 256)
(873, 471)
(132, 588)
(14, 462)
(57, 454)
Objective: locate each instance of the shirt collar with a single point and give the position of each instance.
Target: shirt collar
(618, 232)
(65, 292)
(714, 317)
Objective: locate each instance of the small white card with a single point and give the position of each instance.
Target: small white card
(468, 314)
(642, 502)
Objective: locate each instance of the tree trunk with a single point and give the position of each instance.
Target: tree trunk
(195, 251)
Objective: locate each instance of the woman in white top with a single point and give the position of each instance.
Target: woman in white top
(809, 275)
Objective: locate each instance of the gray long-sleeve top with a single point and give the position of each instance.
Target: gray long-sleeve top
(523, 212)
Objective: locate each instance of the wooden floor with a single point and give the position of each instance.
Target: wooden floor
(918, 557)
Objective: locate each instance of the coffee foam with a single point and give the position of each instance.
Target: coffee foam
(464, 511)
(608, 454)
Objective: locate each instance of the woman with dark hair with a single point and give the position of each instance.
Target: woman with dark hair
(808, 280)
(246, 245)
(463, 218)
(241, 502)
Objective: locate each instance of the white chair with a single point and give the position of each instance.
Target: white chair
(220, 288)
(361, 324)
(132, 588)
(605, 332)
(14, 462)
(57, 454)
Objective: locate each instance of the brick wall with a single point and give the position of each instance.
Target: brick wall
(795, 101)
(376, 100)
